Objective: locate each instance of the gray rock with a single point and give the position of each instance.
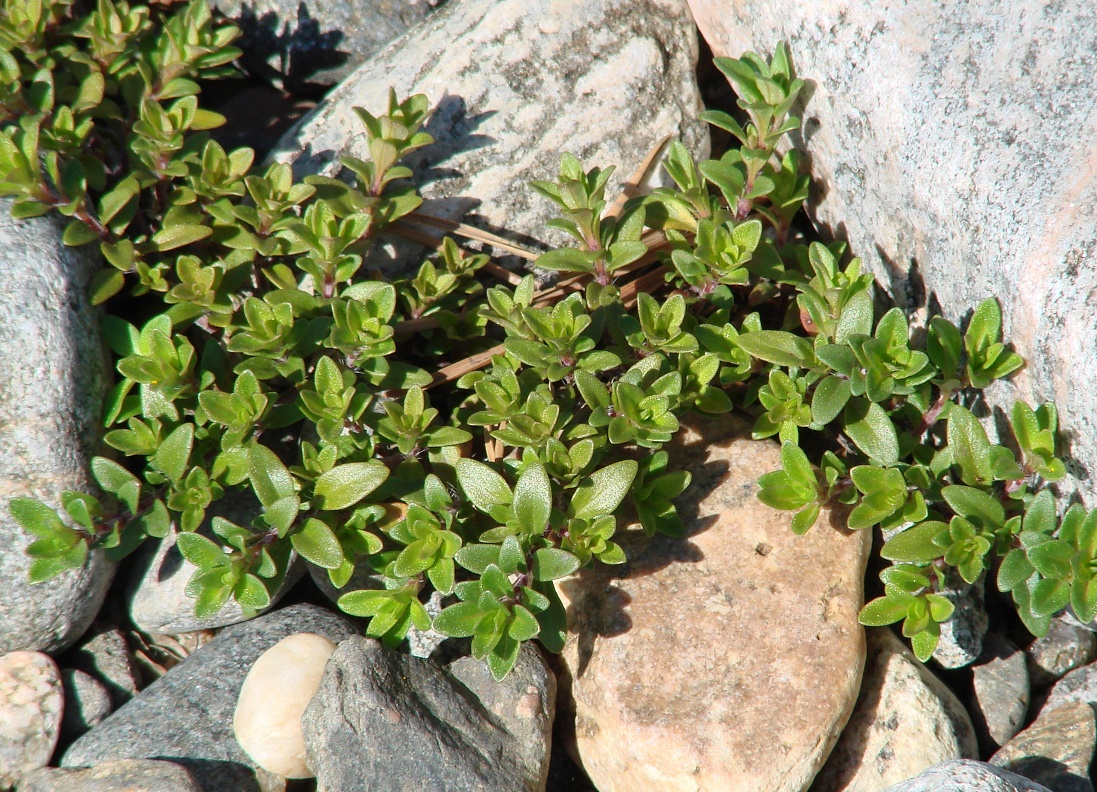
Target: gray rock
(31, 701)
(515, 83)
(130, 775)
(905, 720)
(1055, 750)
(961, 640)
(945, 136)
(1065, 647)
(87, 702)
(186, 715)
(104, 654)
(389, 721)
(1002, 693)
(1079, 685)
(156, 589)
(51, 389)
(524, 704)
(317, 41)
(966, 775)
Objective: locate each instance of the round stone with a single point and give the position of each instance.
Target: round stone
(31, 702)
(275, 693)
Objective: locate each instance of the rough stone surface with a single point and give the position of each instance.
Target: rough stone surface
(1065, 647)
(121, 775)
(31, 701)
(389, 721)
(943, 138)
(186, 715)
(51, 388)
(961, 640)
(268, 727)
(966, 775)
(157, 584)
(905, 720)
(104, 654)
(1055, 750)
(514, 84)
(318, 41)
(524, 704)
(727, 660)
(1079, 685)
(87, 702)
(1001, 684)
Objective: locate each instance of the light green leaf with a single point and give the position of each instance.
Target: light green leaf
(915, 544)
(270, 478)
(345, 485)
(870, 428)
(484, 487)
(777, 346)
(200, 551)
(174, 453)
(970, 447)
(550, 563)
(831, 395)
(316, 542)
(533, 498)
(603, 492)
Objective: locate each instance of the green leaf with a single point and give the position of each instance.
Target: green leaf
(78, 233)
(779, 490)
(867, 424)
(37, 519)
(270, 478)
(805, 518)
(973, 503)
(251, 593)
(777, 346)
(118, 481)
(550, 563)
(533, 498)
(915, 544)
(831, 395)
(200, 551)
(105, 284)
(180, 235)
(925, 642)
(970, 447)
(460, 620)
(524, 626)
(345, 485)
(477, 557)
(485, 488)
(603, 492)
(882, 611)
(316, 542)
(173, 454)
(1014, 570)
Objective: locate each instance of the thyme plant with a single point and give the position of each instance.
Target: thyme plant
(472, 439)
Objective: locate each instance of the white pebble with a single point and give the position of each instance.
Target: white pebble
(273, 697)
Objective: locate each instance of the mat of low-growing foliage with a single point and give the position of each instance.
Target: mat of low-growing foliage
(484, 440)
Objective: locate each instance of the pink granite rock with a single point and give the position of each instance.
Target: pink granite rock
(729, 660)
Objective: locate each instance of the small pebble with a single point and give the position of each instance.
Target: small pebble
(279, 686)
(31, 701)
(87, 702)
(1065, 647)
(1055, 750)
(1001, 685)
